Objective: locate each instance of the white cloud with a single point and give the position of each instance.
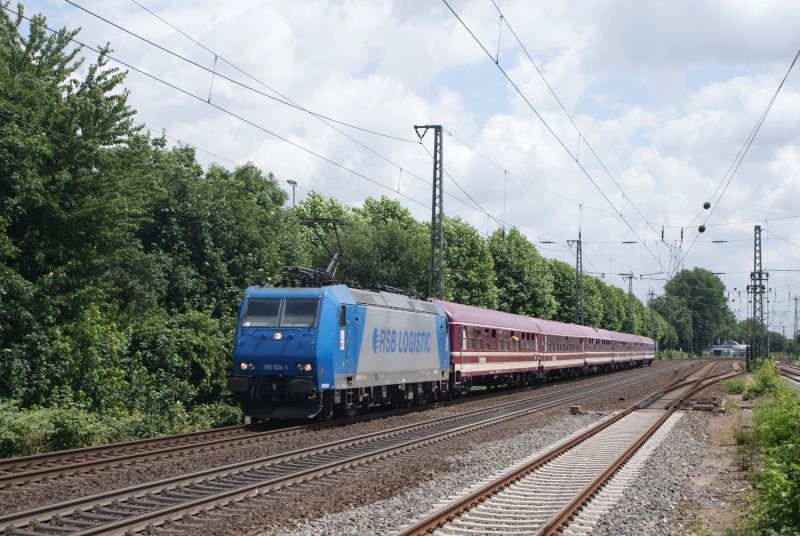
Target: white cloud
(666, 93)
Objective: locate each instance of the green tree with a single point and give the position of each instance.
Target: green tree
(469, 269)
(593, 309)
(524, 284)
(399, 245)
(676, 313)
(122, 262)
(68, 208)
(382, 243)
(216, 233)
(615, 308)
(703, 294)
(563, 290)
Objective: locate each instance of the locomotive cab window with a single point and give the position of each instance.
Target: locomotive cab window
(300, 313)
(261, 312)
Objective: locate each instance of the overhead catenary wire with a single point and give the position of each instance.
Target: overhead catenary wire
(535, 184)
(283, 98)
(234, 81)
(581, 136)
(501, 223)
(228, 112)
(477, 206)
(749, 141)
(740, 156)
(286, 101)
(140, 71)
(551, 131)
(587, 207)
(745, 222)
(200, 98)
(783, 239)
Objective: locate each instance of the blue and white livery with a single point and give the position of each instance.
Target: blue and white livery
(307, 352)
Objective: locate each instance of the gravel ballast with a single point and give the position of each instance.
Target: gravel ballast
(650, 506)
(371, 484)
(387, 516)
(114, 478)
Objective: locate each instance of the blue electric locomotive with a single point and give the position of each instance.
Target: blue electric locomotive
(310, 352)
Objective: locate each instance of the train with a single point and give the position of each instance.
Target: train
(315, 352)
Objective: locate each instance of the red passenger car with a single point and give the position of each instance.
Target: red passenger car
(491, 347)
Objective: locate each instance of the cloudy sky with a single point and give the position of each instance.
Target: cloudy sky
(664, 93)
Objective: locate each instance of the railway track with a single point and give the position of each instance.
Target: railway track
(790, 371)
(152, 504)
(27, 469)
(541, 495)
(20, 471)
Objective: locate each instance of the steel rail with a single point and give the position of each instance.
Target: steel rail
(788, 371)
(453, 510)
(23, 470)
(22, 519)
(47, 456)
(565, 514)
(125, 458)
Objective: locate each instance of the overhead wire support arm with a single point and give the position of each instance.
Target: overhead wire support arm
(579, 318)
(629, 279)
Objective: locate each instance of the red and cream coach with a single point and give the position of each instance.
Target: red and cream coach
(492, 348)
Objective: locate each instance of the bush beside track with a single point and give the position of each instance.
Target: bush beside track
(770, 451)
(36, 430)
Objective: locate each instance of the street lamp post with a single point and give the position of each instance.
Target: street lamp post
(293, 184)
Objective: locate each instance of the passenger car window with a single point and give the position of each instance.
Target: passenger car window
(261, 312)
(300, 313)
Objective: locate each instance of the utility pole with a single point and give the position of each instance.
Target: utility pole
(691, 333)
(629, 279)
(795, 318)
(436, 260)
(579, 319)
(651, 294)
(757, 287)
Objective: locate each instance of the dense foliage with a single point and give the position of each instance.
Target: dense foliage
(773, 452)
(123, 260)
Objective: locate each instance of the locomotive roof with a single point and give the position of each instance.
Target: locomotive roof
(392, 300)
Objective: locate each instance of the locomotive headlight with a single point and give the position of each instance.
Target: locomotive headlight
(243, 366)
(277, 335)
(307, 367)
